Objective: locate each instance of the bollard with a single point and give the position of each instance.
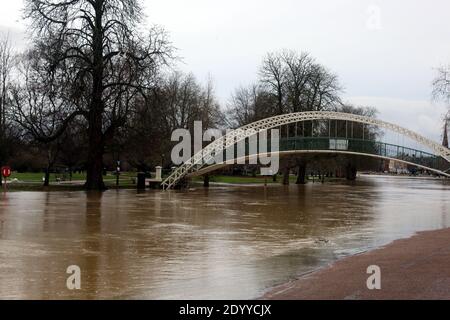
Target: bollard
(141, 181)
(158, 176)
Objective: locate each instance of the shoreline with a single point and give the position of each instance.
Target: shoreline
(413, 268)
(77, 185)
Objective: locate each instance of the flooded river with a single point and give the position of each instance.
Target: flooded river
(227, 242)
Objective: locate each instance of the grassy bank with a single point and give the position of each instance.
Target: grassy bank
(38, 177)
(34, 181)
(58, 182)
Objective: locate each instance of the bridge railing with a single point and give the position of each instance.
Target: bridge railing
(370, 147)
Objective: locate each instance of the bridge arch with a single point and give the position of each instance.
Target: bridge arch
(198, 160)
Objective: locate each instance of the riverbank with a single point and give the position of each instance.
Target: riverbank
(33, 182)
(413, 268)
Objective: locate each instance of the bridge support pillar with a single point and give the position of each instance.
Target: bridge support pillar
(351, 172)
(206, 181)
(301, 174)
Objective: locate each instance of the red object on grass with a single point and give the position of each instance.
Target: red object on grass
(6, 172)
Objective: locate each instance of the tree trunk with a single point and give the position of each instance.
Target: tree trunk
(47, 178)
(351, 172)
(286, 176)
(94, 180)
(301, 175)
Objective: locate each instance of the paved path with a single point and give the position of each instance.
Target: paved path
(415, 268)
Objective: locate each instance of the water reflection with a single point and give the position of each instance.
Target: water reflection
(226, 242)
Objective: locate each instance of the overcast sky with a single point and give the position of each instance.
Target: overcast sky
(384, 51)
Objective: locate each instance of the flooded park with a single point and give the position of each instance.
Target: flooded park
(226, 242)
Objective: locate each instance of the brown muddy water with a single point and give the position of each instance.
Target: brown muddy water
(224, 243)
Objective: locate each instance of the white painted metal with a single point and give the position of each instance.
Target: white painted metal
(198, 161)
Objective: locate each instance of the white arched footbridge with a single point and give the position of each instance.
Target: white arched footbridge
(198, 163)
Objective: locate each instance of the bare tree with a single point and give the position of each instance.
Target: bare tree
(441, 84)
(298, 82)
(292, 82)
(248, 105)
(211, 113)
(96, 46)
(441, 91)
(177, 102)
(298, 74)
(288, 82)
(6, 64)
(324, 90)
(273, 77)
(42, 112)
(241, 109)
